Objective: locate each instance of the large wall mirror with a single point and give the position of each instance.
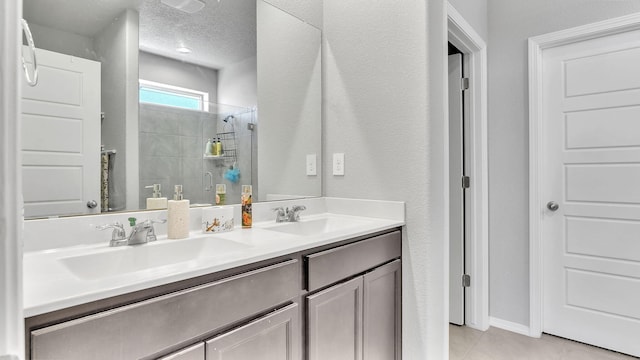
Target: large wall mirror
(131, 92)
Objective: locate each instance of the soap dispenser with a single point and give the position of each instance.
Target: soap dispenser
(156, 201)
(208, 148)
(178, 215)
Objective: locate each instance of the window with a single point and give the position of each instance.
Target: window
(162, 94)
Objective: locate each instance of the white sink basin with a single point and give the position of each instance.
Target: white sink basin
(128, 259)
(307, 227)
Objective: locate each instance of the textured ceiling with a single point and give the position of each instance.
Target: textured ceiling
(220, 34)
(82, 17)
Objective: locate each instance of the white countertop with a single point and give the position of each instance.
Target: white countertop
(50, 285)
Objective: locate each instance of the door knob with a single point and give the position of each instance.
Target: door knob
(553, 206)
(91, 204)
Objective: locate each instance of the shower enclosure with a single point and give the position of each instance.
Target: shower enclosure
(172, 151)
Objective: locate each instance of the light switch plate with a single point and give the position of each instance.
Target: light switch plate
(338, 164)
(311, 164)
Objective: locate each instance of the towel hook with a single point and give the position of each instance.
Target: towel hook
(31, 80)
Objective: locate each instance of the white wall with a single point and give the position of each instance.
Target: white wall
(237, 84)
(511, 22)
(290, 104)
(384, 108)
(177, 73)
(308, 10)
(62, 41)
(475, 13)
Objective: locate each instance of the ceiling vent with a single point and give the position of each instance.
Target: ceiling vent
(188, 6)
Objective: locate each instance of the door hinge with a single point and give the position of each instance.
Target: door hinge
(466, 182)
(466, 280)
(464, 84)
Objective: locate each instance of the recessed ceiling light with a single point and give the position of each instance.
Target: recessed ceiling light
(188, 6)
(183, 50)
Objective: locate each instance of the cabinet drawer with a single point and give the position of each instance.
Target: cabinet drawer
(327, 267)
(149, 327)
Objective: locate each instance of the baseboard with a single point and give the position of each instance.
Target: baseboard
(509, 326)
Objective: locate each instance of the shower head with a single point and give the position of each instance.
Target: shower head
(230, 117)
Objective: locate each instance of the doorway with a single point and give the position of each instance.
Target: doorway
(458, 279)
(474, 65)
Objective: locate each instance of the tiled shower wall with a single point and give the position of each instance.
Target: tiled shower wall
(172, 145)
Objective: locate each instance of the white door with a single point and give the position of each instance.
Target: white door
(591, 171)
(456, 192)
(61, 137)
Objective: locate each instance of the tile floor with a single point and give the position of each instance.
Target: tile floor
(497, 344)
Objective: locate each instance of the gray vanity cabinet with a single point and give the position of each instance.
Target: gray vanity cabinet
(275, 336)
(357, 319)
(360, 317)
(331, 302)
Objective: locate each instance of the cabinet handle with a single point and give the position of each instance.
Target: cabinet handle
(32, 80)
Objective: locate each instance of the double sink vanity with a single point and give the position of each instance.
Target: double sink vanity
(324, 287)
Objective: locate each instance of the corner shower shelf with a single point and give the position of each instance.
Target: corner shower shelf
(213, 157)
(228, 140)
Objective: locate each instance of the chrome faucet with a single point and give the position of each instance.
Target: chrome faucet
(280, 214)
(288, 215)
(141, 233)
(293, 214)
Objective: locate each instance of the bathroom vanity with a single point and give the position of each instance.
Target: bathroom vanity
(289, 294)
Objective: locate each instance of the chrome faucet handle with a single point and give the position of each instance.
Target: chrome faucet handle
(280, 214)
(151, 231)
(118, 230)
(150, 222)
(118, 236)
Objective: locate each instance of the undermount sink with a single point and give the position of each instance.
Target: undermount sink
(316, 226)
(128, 259)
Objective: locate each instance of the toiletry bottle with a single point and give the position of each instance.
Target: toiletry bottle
(246, 206)
(221, 194)
(178, 216)
(208, 148)
(213, 147)
(219, 147)
(156, 201)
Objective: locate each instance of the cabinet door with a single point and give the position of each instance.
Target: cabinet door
(335, 322)
(195, 352)
(273, 337)
(382, 313)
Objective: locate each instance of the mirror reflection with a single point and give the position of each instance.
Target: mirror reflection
(139, 96)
